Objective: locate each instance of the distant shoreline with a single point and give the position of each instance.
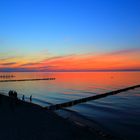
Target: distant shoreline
(69, 71)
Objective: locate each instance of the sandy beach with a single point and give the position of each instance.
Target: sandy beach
(26, 121)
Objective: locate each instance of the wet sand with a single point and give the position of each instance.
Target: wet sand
(26, 121)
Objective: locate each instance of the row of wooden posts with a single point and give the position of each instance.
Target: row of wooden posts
(20, 80)
(95, 97)
(7, 76)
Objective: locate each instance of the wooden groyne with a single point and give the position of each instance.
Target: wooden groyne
(82, 100)
(6, 76)
(20, 80)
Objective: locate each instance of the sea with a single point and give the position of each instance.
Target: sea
(117, 114)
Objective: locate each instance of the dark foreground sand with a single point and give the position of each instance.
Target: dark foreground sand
(25, 121)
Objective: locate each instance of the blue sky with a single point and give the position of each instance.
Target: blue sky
(63, 27)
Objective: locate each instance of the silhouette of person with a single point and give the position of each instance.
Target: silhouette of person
(15, 94)
(23, 98)
(10, 93)
(31, 98)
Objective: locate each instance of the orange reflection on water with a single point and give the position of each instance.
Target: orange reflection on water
(84, 81)
(91, 80)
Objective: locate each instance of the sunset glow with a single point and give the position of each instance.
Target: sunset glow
(120, 60)
(74, 35)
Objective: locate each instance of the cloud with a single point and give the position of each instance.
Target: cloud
(117, 60)
(29, 64)
(125, 51)
(5, 64)
(123, 59)
(7, 58)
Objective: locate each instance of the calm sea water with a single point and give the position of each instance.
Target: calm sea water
(119, 114)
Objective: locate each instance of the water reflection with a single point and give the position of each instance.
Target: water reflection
(119, 113)
(71, 85)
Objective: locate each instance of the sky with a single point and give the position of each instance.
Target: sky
(69, 35)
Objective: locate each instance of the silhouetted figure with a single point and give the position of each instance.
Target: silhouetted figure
(13, 99)
(15, 94)
(31, 98)
(12, 94)
(23, 98)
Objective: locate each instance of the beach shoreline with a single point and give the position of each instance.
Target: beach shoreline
(24, 120)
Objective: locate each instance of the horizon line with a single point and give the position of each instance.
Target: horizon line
(121, 70)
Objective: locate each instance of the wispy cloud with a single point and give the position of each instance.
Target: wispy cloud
(125, 51)
(29, 64)
(8, 64)
(117, 60)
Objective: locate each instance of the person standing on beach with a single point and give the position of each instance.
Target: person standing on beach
(31, 98)
(23, 98)
(15, 94)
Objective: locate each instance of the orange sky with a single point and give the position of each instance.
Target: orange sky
(119, 60)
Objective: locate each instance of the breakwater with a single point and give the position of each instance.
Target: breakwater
(20, 80)
(6, 76)
(95, 97)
